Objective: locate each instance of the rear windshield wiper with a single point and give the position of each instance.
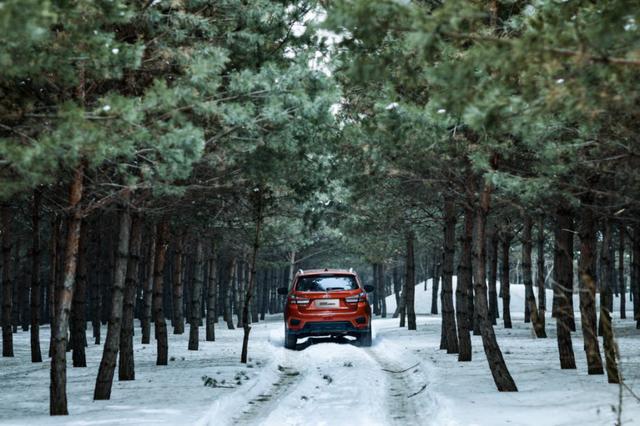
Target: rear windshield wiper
(334, 288)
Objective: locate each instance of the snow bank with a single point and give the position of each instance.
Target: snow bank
(423, 299)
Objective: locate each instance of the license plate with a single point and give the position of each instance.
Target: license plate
(327, 303)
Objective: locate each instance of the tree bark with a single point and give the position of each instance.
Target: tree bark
(540, 275)
(36, 354)
(107, 368)
(402, 308)
(587, 234)
(449, 339)
(78, 306)
(606, 295)
(158, 291)
(178, 291)
(212, 297)
(464, 289)
(239, 290)
(126, 366)
(95, 287)
(7, 285)
(147, 295)
(606, 264)
(196, 297)
(505, 287)
(228, 317)
(376, 285)
(58, 389)
(435, 283)
(54, 272)
(501, 376)
(635, 269)
(381, 291)
(621, 278)
(494, 243)
(251, 282)
(527, 248)
(397, 287)
(410, 282)
(563, 266)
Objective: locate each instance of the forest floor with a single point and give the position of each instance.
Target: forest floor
(402, 379)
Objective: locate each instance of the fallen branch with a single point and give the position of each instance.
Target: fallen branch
(400, 371)
(421, 389)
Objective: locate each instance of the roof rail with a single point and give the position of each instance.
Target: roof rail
(350, 269)
(300, 271)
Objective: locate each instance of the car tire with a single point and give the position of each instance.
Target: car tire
(365, 338)
(290, 340)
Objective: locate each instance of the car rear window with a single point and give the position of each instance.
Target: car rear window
(327, 283)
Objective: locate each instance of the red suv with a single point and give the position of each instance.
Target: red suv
(327, 302)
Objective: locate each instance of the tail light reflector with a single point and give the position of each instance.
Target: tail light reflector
(298, 300)
(357, 298)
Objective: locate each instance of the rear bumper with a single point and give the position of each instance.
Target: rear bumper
(309, 322)
(324, 328)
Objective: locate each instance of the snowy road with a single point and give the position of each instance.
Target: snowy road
(403, 379)
(330, 381)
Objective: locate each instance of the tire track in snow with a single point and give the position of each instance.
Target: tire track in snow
(260, 406)
(401, 407)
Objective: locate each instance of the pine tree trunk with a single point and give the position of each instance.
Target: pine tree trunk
(410, 282)
(606, 280)
(563, 266)
(586, 272)
(381, 291)
(255, 300)
(36, 354)
(239, 291)
(449, 340)
(504, 280)
(265, 295)
(24, 284)
(95, 287)
(621, 281)
(212, 297)
(54, 272)
(542, 294)
(530, 298)
(435, 284)
(196, 297)
(493, 276)
(178, 302)
(376, 285)
(608, 339)
(635, 269)
(251, 283)
(606, 296)
(465, 286)
(228, 317)
(58, 388)
(107, 368)
(402, 310)
(147, 295)
(501, 376)
(126, 366)
(78, 306)
(397, 286)
(158, 292)
(7, 285)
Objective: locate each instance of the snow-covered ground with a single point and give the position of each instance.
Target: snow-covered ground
(402, 379)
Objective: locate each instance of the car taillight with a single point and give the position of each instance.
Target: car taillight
(357, 298)
(298, 300)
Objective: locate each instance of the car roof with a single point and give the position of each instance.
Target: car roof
(325, 271)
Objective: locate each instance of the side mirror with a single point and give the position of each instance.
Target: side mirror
(368, 288)
(283, 291)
